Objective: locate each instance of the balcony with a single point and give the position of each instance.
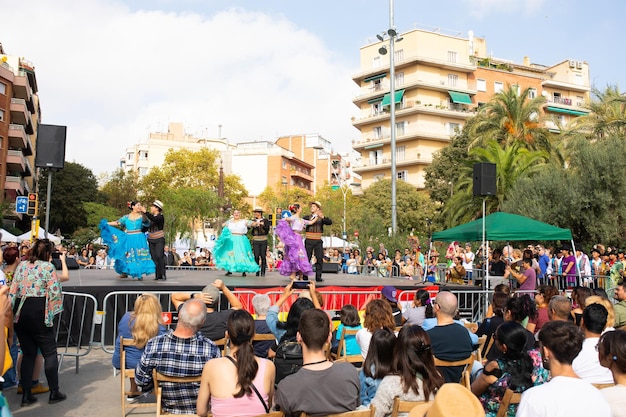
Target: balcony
(564, 85)
(21, 115)
(16, 184)
(409, 107)
(17, 136)
(567, 104)
(417, 131)
(384, 162)
(466, 67)
(17, 163)
(21, 88)
(370, 92)
(304, 176)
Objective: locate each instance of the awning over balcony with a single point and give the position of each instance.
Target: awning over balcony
(375, 77)
(566, 111)
(460, 98)
(374, 146)
(397, 97)
(375, 100)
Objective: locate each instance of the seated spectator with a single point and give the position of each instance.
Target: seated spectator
(610, 319)
(517, 309)
(542, 297)
(430, 323)
(560, 343)
(586, 364)
(238, 385)
(352, 264)
(383, 265)
(378, 363)
(518, 369)
(488, 326)
(350, 320)
(82, 259)
(214, 326)
(390, 294)
(420, 309)
(612, 353)
(449, 341)
(560, 308)
(414, 376)
(320, 387)
(140, 325)
(101, 259)
(287, 330)
(620, 306)
(456, 273)
(261, 303)
(579, 297)
(526, 278)
(334, 256)
(378, 315)
(179, 353)
(187, 260)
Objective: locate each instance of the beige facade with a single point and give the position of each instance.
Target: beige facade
(440, 80)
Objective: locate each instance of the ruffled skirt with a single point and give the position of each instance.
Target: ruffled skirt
(233, 253)
(130, 251)
(295, 258)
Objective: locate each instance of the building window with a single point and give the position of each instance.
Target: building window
(580, 101)
(532, 93)
(377, 85)
(452, 79)
(578, 79)
(452, 56)
(283, 180)
(284, 164)
(376, 62)
(481, 85)
(376, 157)
(399, 77)
(400, 128)
(453, 128)
(398, 55)
(3, 88)
(497, 87)
(402, 175)
(1, 115)
(556, 97)
(400, 153)
(377, 108)
(377, 132)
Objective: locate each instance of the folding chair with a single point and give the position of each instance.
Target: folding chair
(355, 413)
(509, 398)
(158, 378)
(128, 373)
(467, 367)
(273, 414)
(402, 406)
(342, 352)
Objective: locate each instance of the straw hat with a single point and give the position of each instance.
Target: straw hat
(259, 209)
(158, 204)
(452, 400)
(317, 203)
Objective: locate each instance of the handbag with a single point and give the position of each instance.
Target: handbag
(288, 359)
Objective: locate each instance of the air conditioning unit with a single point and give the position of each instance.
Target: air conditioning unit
(572, 63)
(579, 64)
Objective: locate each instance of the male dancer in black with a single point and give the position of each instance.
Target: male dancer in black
(156, 238)
(260, 228)
(313, 237)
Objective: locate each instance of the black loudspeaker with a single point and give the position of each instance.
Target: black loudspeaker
(50, 146)
(70, 262)
(484, 178)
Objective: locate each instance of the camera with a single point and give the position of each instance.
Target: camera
(300, 285)
(56, 255)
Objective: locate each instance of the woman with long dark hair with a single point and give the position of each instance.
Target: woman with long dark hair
(37, 297)
(128, 248)
(240, 384)
(420, 309)
(378, 363)
(289, 230)
(517, 369)
(414, 376)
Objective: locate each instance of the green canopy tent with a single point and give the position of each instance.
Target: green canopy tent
(504, 227)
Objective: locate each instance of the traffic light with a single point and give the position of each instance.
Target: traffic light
(271, 219)
(33, 204)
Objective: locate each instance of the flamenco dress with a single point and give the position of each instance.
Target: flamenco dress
(129, 249)
(232, 251)
(295, 258)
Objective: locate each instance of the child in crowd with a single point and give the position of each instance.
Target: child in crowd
(419, 310)
(350, 320)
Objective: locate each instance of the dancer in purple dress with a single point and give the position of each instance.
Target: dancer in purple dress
(289, 229)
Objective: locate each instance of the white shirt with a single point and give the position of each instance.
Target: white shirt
(363, 338)
(616, 397)
(238, 226)
(587, 365)
(563, 397)
(469, 265)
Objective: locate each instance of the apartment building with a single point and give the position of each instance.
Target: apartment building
(440, 81)
(19, 119)
(142, 157)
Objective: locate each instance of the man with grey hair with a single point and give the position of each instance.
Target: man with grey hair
(178, 353)
(214, 326)
(449, 341)
(559, 308)
(261, 304)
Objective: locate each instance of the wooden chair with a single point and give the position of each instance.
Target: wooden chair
(355, 413)
(273, 414)
(603, 386)
(481, 345)
(489, 346)
(402, 406)
(472, 327)
(466, 363)
(341, 355)
(509, 398)
(159, 378)
(259, 337)
(128, 373)
(221, 343)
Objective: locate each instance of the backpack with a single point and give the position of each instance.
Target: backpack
(288, 359)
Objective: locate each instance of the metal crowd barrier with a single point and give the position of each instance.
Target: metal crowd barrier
(473, 303)
(75, 326)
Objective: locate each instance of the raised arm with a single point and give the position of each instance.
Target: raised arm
(233, 300)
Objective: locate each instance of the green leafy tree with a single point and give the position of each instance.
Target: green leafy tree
(71, 187)
(332, 203)
(97, 211)
(607, 117)
(120, 188)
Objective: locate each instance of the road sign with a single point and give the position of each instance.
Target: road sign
(21, 204)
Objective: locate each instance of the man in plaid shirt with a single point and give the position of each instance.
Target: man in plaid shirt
(179, 353)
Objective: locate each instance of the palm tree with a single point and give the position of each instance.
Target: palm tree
(512, 163)
(607, 117)
(511, 117)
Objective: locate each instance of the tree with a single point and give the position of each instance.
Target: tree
(332, 203)
(71, 187)
(120, 188)
(607, 117)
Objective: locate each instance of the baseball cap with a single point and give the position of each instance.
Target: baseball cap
(390, 293)
(212, 292)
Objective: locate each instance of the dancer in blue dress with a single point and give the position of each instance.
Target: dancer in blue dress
(289, 229)
(130, 248)
(232, 251)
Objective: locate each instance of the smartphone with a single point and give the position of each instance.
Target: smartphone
(300, 285)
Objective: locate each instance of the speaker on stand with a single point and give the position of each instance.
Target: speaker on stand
(484, 179)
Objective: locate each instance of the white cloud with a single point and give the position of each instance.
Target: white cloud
(483, 8)
(112, 75)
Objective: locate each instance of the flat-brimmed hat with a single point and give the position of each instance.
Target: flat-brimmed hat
(212, 292)
(390, 293)
(158, 204)
(452, 400)
(317, 203)
(260, 209)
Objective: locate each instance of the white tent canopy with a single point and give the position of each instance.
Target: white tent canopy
(7, 237)
(336, 242)
(41, 235)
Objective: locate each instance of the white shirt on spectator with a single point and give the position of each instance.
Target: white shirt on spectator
(616, 396)
(587, 365)
(468, 261)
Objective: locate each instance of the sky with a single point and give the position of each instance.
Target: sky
(115, 70)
